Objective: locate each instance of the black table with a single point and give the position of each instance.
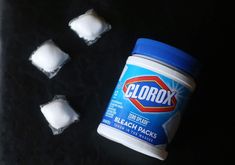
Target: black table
(90, 77)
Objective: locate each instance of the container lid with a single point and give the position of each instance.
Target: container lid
(167, 54)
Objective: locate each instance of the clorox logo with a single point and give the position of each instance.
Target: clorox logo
(150, 94)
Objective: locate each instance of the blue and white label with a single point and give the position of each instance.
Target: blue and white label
(146, 105)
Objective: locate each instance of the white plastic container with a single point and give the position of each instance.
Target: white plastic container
(146, 106)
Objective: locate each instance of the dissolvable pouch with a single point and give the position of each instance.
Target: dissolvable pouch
(89, 26)
(59, 114)
(48, 58)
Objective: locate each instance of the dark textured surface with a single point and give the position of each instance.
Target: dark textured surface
(89, 78)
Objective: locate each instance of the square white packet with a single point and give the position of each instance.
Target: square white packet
(89, 26)
(49, 58)
(59, 114)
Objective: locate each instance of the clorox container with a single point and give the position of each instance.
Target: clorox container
(146, 106)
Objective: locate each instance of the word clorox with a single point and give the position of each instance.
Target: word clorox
(146, 106)
(150, 94)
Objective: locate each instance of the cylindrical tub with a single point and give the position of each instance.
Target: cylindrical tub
(146, 106)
